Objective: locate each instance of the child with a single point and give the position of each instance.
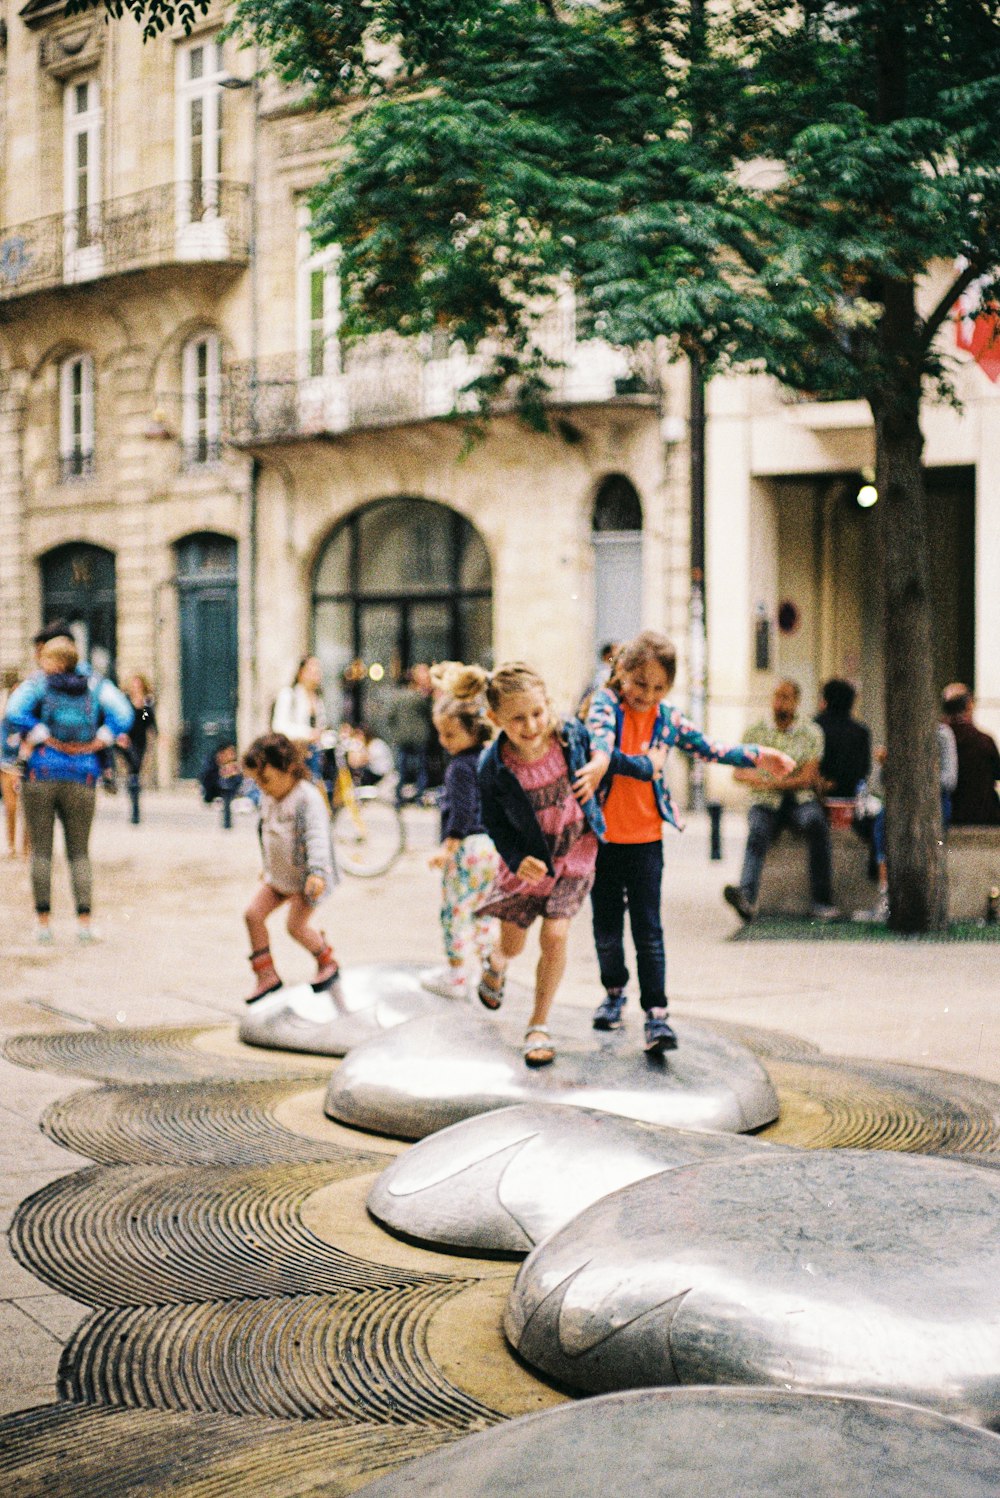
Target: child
(466, 857)
(629, 714)
(298, 859)
(537, 784)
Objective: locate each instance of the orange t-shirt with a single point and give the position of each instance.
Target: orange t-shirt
(630, 810)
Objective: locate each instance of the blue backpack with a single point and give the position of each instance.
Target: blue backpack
(69, 708)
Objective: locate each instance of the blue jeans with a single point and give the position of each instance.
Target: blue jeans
(412, 769)
(630, 874)
(807, 817)
(878, 826)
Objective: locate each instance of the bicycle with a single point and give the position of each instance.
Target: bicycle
(369, 833)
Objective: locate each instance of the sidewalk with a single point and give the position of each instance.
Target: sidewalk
(168, 901)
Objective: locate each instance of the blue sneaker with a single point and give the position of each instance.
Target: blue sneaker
(659, 1036)
(608, 1014)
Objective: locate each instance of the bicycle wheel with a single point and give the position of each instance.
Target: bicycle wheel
(368, 837)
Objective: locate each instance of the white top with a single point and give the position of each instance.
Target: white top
(297, 715)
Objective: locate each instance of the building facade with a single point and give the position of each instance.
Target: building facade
(197, 474)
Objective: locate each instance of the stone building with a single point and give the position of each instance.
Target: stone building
(197, 474)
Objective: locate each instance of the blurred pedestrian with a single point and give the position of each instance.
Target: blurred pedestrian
(410, 729)
(65, 720)
(300, 712)
(10, 765)
(975, 801)
(134, 744)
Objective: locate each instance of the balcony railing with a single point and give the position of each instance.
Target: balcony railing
(181, 222)
(390, 382)
(78, 463)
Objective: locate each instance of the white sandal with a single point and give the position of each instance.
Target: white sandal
(538, 1053)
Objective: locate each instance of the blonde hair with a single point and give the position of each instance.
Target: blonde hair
(510, 678)
(461, 695)
(650, 645)
(59, 654)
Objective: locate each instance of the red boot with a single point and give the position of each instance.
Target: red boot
(327, 968)
(265, 973)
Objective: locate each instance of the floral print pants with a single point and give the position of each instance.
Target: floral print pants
(466, 878)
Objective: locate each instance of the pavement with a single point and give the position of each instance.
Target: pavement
(169, 896)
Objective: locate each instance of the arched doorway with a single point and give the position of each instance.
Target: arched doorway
(617, 539)
(209, 653)
(78, 585)
(399, 582)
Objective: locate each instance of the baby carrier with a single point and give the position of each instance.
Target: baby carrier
(69, 708)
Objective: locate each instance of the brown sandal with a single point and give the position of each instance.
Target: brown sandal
(538, 1053)
(491, 986)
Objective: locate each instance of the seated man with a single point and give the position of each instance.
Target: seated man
(791, 802)
(974, 801)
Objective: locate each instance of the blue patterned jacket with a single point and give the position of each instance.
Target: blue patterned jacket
(604, 724)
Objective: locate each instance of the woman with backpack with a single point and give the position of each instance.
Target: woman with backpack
(65, 722)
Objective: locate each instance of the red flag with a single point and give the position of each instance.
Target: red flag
(977, 329)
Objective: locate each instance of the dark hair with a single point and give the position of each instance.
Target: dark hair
(53, 631)
(650, 645)
(279, 752)
(298, 670)
(955, 703)
(838, 695)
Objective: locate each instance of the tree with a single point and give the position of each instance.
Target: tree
(506, 143)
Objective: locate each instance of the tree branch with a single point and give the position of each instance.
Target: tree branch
(933, 322)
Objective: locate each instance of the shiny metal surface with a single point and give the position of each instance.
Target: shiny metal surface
(872, 1273)
(502, 1181)
(453, 1065)
(365, 1001)
(712, 1443)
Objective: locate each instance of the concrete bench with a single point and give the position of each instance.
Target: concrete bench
(973, 855)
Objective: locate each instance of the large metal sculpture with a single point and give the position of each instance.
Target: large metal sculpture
(712, 1443)
(363, 1002)
(502, 1181)
(873, 1273)
(411, 1082)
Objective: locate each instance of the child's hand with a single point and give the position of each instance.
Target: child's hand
(531, 870)
(589, 778)
(314, 886)
(774, 763)
(444, 855)
(657, 754)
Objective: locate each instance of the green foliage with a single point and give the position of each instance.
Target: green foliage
(154, 16)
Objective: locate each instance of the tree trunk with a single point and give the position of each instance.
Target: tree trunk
(915, 844)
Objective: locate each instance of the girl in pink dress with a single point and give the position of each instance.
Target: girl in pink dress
(539, 808)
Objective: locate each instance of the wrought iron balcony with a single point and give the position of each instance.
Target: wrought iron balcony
(78, 463)
(179, 223)
(391, 382)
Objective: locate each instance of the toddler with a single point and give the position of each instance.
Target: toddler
(298, 859)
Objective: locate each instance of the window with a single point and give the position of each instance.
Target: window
(82, 173)
(319, 305)
(201, 382)
(199, 133)
(76, 417)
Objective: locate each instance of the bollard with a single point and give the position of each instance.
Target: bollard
(714, 809)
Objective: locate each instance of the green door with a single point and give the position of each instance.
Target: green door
(206, 583)
(78, 585)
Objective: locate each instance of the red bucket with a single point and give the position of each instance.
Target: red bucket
(840, 811)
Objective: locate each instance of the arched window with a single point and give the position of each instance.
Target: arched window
(617, 540)
(400, 582)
